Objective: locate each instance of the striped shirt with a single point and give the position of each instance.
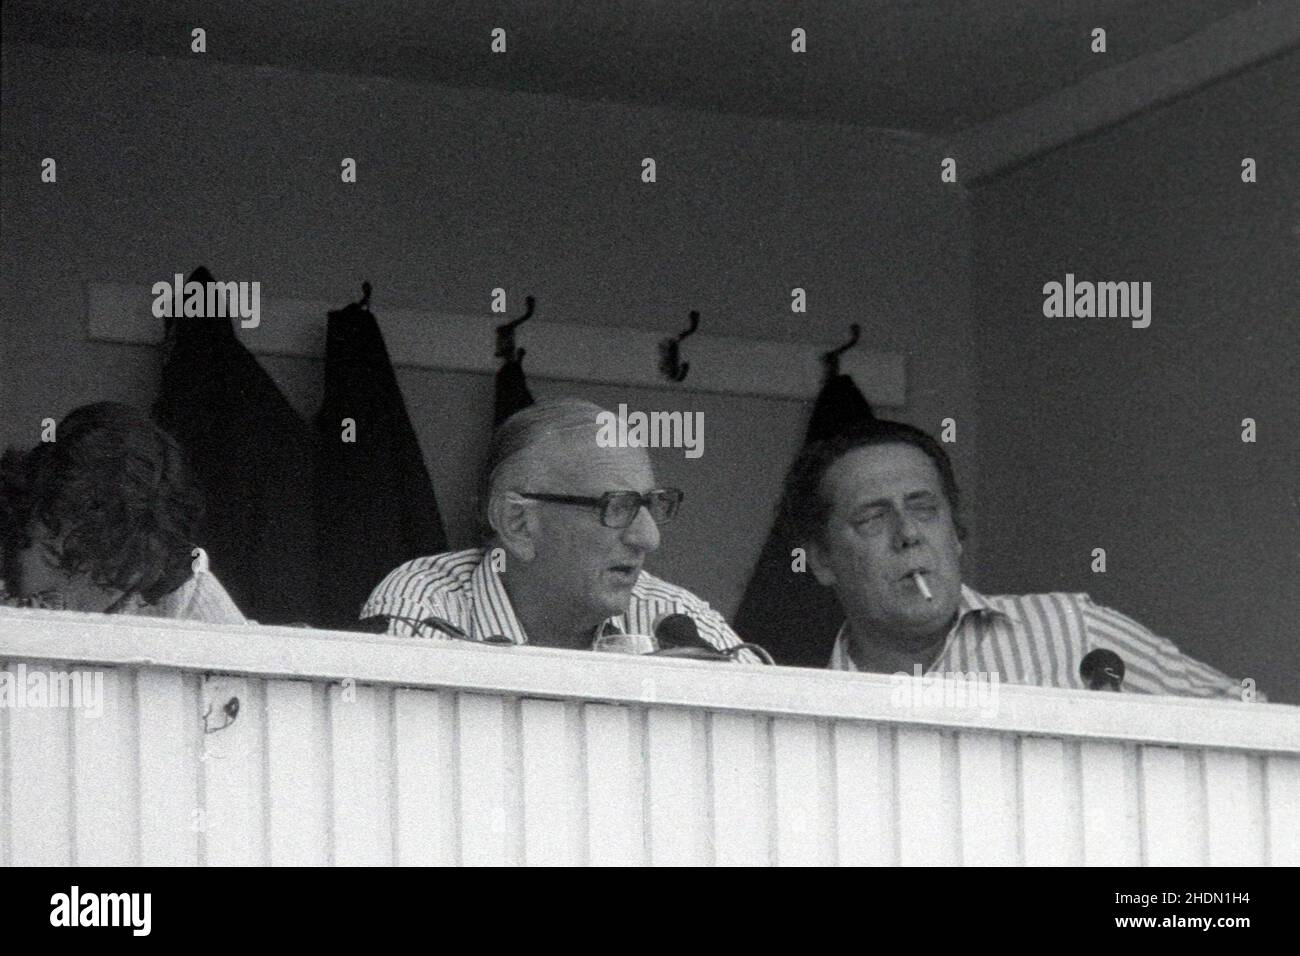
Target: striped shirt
(463, 588)
(1042, 638)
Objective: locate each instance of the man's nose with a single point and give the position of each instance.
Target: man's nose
(907, 531)
(642, 533)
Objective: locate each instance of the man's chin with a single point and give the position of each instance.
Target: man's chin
(613, 601)
(928, 615)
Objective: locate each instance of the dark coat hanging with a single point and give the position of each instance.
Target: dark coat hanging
(375, 503)
(788, 612)
(511, 391)
(252, 455)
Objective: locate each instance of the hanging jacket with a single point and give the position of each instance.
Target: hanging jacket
(786, 611)
(252, 455)
(511, 390)
(375, 504)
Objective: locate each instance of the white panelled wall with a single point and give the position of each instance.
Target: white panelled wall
(352, 749)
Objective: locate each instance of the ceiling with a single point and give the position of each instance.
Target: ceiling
(931, 67)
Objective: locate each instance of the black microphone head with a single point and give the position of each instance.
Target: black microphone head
(1102, 670)
(679, 630)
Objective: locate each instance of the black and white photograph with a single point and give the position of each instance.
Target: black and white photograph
(911, 387)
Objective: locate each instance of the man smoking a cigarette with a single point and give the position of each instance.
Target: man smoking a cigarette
(877, 508)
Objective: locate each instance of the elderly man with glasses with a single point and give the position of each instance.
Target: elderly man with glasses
(568, 526)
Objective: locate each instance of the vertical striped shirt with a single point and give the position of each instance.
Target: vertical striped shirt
(1042, 638)
(463, 589)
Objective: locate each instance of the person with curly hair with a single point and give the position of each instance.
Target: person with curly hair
(103, 518)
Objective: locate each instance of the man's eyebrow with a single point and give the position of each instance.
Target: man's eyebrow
(865, 505)
(887, 502)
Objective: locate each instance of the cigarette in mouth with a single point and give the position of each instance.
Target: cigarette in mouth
(921, 585)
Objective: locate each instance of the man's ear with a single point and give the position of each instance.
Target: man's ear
(821, 569)
(515, 522)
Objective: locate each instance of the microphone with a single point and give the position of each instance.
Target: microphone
(378, 624)
(1102, 670)
(680, 630)
(679, 636)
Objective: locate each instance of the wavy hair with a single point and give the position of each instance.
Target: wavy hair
(117, 488)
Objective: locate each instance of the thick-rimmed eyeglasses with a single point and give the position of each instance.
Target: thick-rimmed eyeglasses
(618, 509)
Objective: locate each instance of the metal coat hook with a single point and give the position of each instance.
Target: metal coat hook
(670, 352)
(832, 358)
(506, 348)
(365, 296)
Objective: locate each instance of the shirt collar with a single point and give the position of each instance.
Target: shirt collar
(494, 614)
(971, 602)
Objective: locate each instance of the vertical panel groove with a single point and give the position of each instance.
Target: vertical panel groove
(394, 801)
(387, 789)
(889, 740)
(828, 850)
(1199, 790)
(331, 814)
(772, 817)
(710, 794)
(133, 761)
(6, 782)
(963, 807)
(833, 794)
(457, 810)
(202, 774)
(1259, 806)
(265, 755)
(514, 796)
(584, 790)
(75, 844)
(647, 830)
(950, 776)
(895, 799)
(1019, 774)
(1144, 850)
(1266, 797)
(1073, 778)
(1074, 762)
(191, 745)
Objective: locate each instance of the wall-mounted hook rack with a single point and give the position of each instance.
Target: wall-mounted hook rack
(670, 355)
(619, 355)
(505, 345)
(832, 358)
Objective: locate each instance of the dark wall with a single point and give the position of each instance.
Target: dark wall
(1096, 434)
